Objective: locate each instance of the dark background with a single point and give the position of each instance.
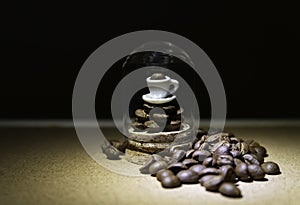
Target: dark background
(255, 48)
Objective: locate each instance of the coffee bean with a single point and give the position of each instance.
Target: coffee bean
(204, 146)
(197, 168)
(244, 148)
(213, 183)
(140, 113)
(270, 168)
(177, 167)
(209, 170)
(256, 172)
(207, 162)
(229, 189)
(178, 155)
(188, 176)
(163, 173)
(206, 178)
(241, 171)
(228, 172)
(222, 150)
(170, 181)
(200, 155)
(156, 166)
(251, 159)
(197, 144)
(235, 153)
(224, 159)
(157, 76)
(260, 150)
(189, 162)
(189, 153)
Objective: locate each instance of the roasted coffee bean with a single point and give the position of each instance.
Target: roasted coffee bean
(163, 173)
(197, 144)
(244, 148)
(235, 153)
(241, 171)
(270, 168)
(177, 167)
(197, 168)
(140, 113)
(229, 189)
(151, 124)
(260, 150)
(250, 159)
(188, 176)
(189, 153)
(206, 178)
(200, 155)
(189, 162)
(228, 172)
(213, 183)
(235, 140)
(222, 150)
(209, 170)
(259, 157)
(111, 152)
(213, 138)
(256, 172)
(178, 155)
(204, 146)
(170, 181)
(207, 162)
(157, 76)
(145, 168)
(224, 159)
(156, 166)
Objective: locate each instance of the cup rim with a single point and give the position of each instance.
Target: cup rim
(158, 81)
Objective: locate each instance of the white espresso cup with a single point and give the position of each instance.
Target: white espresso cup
(160, 88)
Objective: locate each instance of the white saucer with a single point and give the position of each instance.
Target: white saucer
(148, 98)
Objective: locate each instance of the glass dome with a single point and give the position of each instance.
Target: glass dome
(155, 102)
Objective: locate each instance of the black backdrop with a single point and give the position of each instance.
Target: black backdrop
(255, 48)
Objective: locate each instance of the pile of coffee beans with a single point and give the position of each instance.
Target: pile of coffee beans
(217, 161)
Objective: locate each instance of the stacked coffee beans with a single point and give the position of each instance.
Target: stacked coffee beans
(154, 118)
(215, 161)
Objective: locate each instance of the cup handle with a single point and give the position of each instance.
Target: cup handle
(174, 86)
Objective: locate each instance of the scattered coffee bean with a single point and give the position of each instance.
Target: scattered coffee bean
(224, 159)
(200, 155)
(163, 173)
(228, 172)
(156, 166)
(210, 171)
(188, 176)
(206, 178)
(256, 172)
(170, 181)
(229, 189)
(251, 159)
(241, 171)
(197, 144)
(189, 153)
(207, 161)
(270, 168)
(213, 183)
(145, 168)
(197, 168)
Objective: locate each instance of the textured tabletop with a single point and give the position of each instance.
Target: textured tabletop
(49, 166)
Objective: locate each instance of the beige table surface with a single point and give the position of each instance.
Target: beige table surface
(49, 166)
